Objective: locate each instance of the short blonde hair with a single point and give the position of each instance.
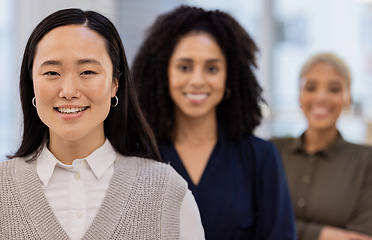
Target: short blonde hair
(330, 58)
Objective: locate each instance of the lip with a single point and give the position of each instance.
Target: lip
(196, 98)
(320, 111)
(70, 112)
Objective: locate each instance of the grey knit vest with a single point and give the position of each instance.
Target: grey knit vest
(142, 202)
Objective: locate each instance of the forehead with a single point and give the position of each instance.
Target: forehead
(324, 72)
(69, 38)
(198, 44)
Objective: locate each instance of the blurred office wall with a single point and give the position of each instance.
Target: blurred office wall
(286, 31)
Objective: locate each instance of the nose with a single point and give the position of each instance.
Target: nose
(321, 94)
(69, 88)
(197, 78)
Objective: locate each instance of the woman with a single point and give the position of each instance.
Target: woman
(195, 80)
(330, 179)
(88, 166)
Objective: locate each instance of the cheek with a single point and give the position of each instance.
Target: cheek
(175, 80)
(339, 100)
(218, 83)
(99, 88)
(43, 91)
(303, 99)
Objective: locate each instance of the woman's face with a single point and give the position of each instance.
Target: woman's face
(323, 95)
(197, 75)
(73, 83)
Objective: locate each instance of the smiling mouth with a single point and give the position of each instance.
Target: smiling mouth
(71, 110)
(196, 97)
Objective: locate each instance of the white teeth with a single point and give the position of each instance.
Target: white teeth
(196, 96)
(71, 110)
(320, 110)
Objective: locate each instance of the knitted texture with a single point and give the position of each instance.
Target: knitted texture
(142, 202)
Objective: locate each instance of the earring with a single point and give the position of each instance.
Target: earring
(34, 101)
(227, 93)
(117, 101)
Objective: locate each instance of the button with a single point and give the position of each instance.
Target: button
(301, 203)
(306, 179)
(84, 163)
(77, 176)
(79, 214)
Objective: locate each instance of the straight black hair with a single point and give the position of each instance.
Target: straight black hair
(125, 127)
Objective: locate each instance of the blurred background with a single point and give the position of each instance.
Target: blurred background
(286, 31)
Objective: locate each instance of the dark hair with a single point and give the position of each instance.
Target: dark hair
(125, 127)
(241, 112)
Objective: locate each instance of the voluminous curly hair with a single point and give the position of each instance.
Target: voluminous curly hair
(240, 113)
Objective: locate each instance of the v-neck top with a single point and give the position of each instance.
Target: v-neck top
(242, 193)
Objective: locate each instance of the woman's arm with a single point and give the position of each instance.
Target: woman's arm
(362, 216)
(332, 233)
(276, 220)
(312, 230)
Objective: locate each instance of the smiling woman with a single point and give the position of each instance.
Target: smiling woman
(322, 168)
(195, 79)
(88, 166)
(73, 89)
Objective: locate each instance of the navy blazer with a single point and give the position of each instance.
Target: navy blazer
(243, 192)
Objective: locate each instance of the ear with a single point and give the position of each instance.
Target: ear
(114, 87)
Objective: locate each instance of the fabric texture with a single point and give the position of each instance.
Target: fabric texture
(143, 202)
(330, 187)
(242, 193)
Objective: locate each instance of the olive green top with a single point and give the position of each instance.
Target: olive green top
(331, 187)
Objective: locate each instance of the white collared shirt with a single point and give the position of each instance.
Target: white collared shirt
(85, 182)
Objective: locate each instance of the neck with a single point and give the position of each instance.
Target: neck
(195, 131)
(67, 151)
(316, 140)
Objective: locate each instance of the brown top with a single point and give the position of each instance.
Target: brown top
(331, 187)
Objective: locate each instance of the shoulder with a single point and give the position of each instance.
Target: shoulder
(281, 142)
(358, 147)
(363, 152)
(259, 144)
(262, 151)
(154, 170)
(8, 167)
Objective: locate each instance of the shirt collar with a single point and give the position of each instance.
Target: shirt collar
(99, 161)
(298, 146)
(45, 165)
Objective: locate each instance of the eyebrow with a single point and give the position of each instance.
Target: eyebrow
(79, 62)
(87, 61)
(50, 62)
(208, 61)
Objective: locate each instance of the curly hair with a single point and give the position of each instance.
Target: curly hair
(240, 113)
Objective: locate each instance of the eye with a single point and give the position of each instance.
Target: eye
(184, 68)
(335, 89)
(88, 72)
(310, 88)
(213, 69)
(51, 73)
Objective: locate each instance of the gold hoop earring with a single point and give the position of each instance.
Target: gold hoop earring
(34, 101)
(117, 101)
